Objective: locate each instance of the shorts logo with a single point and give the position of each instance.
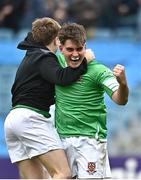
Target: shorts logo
(91, 168)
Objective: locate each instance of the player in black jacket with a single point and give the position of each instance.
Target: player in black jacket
(30, 135)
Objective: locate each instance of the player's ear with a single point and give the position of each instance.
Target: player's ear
(57, 42)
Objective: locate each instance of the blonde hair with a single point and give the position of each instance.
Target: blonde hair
(45, 30)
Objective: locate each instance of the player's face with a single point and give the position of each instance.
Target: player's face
(73, 53)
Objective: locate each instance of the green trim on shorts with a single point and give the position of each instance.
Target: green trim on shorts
(44, 113)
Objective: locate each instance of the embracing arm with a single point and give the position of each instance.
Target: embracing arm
(120, 96)
(52, 71)
(89, 55)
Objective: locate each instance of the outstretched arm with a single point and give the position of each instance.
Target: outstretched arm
(121, 95)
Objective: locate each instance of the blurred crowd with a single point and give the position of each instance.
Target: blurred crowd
(113, 14)
(18, 14)
(125, 139)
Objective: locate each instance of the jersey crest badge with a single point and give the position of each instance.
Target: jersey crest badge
(91, 168)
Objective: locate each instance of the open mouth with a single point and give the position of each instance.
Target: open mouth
(75, 59)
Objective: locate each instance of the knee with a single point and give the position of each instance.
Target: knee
(66, 174)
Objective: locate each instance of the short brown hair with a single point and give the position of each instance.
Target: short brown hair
(44, 30)
(73, 31)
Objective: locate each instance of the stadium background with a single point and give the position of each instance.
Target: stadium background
(114, 33)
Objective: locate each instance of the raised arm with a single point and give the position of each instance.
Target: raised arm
(121, 95)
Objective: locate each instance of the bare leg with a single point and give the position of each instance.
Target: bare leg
(32, 169)
(56, 163)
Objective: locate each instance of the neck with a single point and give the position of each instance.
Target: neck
(52, 47)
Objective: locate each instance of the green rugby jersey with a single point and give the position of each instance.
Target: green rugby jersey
(80, 107)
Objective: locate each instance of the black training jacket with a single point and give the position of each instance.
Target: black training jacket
(37, 75)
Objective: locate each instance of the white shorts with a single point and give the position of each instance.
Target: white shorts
(29, 134)
(88, 157)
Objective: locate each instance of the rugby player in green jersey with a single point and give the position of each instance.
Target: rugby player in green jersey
(80, 107)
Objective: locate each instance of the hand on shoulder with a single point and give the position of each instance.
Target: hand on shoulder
(89, 55)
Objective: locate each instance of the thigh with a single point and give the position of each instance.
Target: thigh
(88, 158)
(55, 162)
(30, 134)
(32, 169)
(14, 143)
(71, 153)
(92, 159)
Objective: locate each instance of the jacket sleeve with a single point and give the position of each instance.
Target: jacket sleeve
(52, 71)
